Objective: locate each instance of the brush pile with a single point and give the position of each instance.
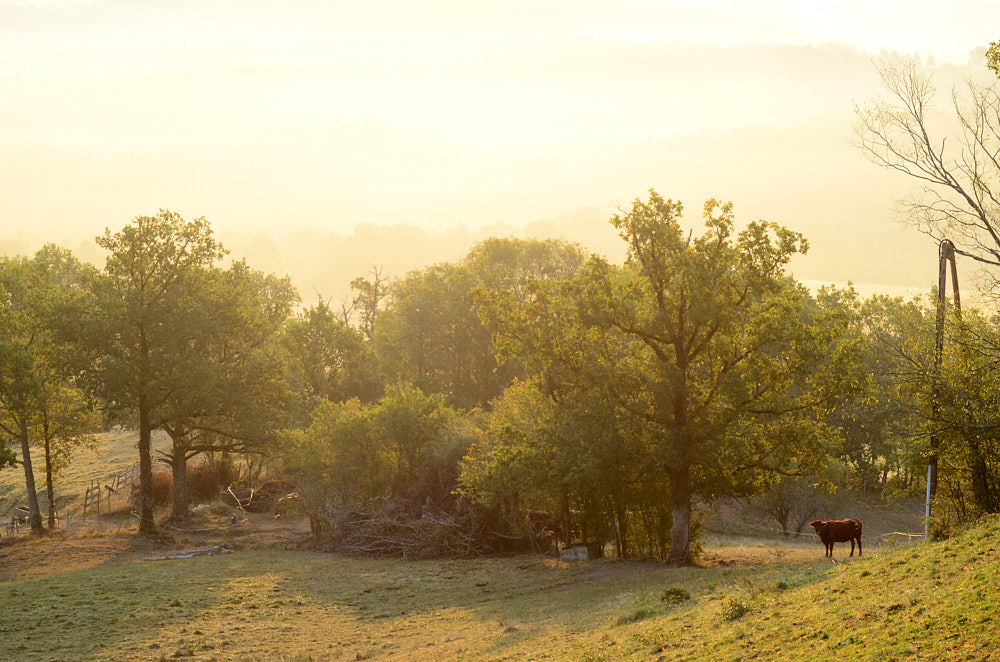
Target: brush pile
(394, 530)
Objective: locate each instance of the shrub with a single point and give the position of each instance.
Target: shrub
(205, 481)
(675, 596)
(735, 608)
(163, 484)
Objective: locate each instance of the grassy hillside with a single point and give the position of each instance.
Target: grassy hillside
(115, 451)
(923, 602)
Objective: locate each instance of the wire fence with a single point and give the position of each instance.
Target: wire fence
(105, 496)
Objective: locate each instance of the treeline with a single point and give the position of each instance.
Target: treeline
(526, 377)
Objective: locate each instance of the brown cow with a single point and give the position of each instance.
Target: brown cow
(839, 530)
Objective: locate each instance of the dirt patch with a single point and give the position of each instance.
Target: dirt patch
(24, 557)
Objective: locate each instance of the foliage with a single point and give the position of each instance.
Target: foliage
(431, 334)
(735, 607)
(328, 359)
(143, 333)
(569, 456)
(7, 457)
(337, 461)
(229, 392)
(368, 301)
(967, 421)
(40, 402)
(404, 448)
(879, 410)
(698, 350)
(993, 58)
(675, 596)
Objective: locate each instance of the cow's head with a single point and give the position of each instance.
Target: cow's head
(818, 525)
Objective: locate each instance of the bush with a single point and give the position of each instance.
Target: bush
(643, 608)
(735, 608)
(163, 485)
(204, 483)
(940, 528)
(675, 596)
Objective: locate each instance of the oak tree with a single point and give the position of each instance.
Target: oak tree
(703, 343)
(141, 330)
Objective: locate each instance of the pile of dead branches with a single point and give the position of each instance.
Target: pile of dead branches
(393, 530)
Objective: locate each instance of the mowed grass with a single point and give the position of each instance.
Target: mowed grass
(930, 601)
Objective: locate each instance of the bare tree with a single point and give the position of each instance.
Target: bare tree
(368, 297)
(961, 177)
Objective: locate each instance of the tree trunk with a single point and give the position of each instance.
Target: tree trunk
(680, 532)
(34, 513)
(146, 522)
(50, 492)
(178, 468)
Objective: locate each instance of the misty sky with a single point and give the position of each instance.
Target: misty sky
(272, 118)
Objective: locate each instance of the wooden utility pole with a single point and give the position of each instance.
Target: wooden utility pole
(946, 254)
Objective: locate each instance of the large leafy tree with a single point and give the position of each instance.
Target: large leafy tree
(66, 415)
(727, 380)
(228, 393)
(327, 359)
(19, 382)
(142, 331)
(702, 342)
(40, 403)
(431, 334)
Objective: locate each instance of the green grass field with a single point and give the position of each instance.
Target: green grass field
(929, 601)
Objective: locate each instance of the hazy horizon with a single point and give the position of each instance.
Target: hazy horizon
(427, 126)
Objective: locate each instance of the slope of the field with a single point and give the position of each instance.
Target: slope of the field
(114, 452)
(930, 601)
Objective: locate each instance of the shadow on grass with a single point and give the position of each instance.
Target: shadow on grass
(259, 604)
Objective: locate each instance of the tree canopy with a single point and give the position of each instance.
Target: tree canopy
(142, 332)
(702, 344)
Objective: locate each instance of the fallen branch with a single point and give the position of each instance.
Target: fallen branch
(224, 548)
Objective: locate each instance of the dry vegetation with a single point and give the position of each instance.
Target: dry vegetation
(97, 598)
